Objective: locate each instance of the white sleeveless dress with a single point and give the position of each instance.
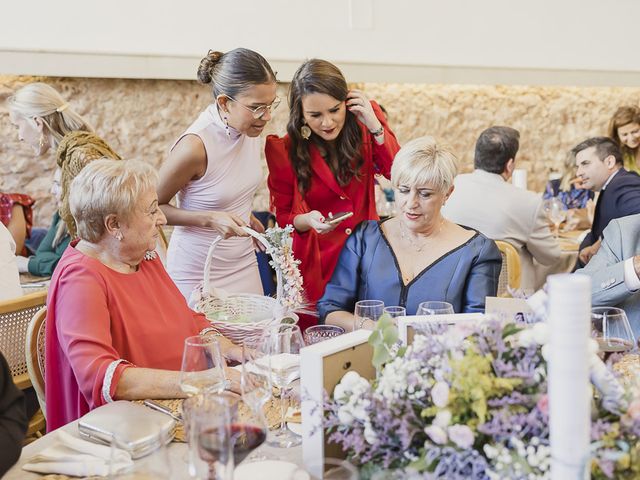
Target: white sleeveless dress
(233, 174)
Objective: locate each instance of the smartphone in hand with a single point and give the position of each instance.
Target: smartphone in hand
(337, 217)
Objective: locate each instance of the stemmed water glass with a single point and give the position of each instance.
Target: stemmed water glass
(367, 310)
(556, 213)
(610, 328)
(202, 368)
(282, 344)
(435, 308)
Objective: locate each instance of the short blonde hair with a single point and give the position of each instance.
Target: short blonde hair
(39, 100)
(107, 187)
(423, 161)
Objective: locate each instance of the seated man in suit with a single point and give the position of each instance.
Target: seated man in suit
(486, 201)
(600, 168)
(614, 269)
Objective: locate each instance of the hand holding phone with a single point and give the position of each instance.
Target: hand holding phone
(334, 218)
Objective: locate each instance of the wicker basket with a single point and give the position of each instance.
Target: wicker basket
(240, 316)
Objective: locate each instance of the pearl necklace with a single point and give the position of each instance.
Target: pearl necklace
(417, 247)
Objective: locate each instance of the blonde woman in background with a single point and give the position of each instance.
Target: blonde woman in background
(45, 121)
(215, 167)
(624, 128)
(418, 255)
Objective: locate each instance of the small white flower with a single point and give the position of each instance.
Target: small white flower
(526, 338)
(344, 415)
(436, 434)
(440, 394)
(442, 419)
(540, 333)
(461, 435)
(370, 434)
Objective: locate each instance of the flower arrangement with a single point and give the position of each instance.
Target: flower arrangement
(471, 402)
(282, 259)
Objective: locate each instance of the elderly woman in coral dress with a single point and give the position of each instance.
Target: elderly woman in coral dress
(116, 323)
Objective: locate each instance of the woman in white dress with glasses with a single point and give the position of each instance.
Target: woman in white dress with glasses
(215, 168)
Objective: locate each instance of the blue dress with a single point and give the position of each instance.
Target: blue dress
(368, 269)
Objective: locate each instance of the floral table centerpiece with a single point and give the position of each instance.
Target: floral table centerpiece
(471, 402)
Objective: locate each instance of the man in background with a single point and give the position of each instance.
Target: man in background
(487, 201)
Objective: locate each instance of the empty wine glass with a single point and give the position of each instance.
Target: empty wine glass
(255, 376)
(202, 368)
(610, 328)
(556, 213)
(435, 308)
(395, 311)
(320, 333)
(367, 310)
(282, 344)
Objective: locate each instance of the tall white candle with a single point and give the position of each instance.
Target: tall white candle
(519, 178)
(568, 376)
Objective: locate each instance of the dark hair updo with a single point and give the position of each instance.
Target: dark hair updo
(234, 72)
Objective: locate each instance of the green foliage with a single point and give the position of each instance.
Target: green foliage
(382, 339)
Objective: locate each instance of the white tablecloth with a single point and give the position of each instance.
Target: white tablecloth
(177, 453)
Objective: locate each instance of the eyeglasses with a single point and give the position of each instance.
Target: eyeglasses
(258, 112)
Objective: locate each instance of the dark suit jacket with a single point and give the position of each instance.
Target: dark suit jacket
(619, 199)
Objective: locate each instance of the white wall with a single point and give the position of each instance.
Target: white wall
(581, 42)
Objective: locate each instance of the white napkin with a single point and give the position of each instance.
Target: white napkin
(279, 361)
(70, 455)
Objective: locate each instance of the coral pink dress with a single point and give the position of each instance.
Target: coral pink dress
(234, 172)
(100, 322)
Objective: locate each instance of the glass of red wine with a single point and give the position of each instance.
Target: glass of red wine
(248, 432)
(213, 418)
(610, 328)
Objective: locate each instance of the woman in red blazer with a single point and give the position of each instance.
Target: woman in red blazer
(336, 141)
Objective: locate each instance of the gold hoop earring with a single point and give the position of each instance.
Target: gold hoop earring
(305, 131)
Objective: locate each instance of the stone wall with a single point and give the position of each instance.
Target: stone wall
(141, 119)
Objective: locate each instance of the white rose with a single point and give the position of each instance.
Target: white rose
(461, 435)
(443, 419)
(436, 434)
(440, 394)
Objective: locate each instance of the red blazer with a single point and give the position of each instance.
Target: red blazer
(319, 253)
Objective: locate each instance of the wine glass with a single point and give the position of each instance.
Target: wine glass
(435, 308)
(610, 328)
(320, 333)
(556, 213)
(395, 311)
(248, 432)
(202, 368)
(282, 344)
(213, 422)
(367, 310)
(255, 376)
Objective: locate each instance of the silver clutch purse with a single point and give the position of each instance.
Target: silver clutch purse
(134, 427)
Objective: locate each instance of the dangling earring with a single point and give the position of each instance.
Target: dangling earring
(226, 126)
(305, 131)
(41, 142)
(119, 236)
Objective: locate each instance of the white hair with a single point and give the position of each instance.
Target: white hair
(107, 187)
(423, 161)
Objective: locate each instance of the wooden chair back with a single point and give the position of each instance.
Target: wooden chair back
(511, 269)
